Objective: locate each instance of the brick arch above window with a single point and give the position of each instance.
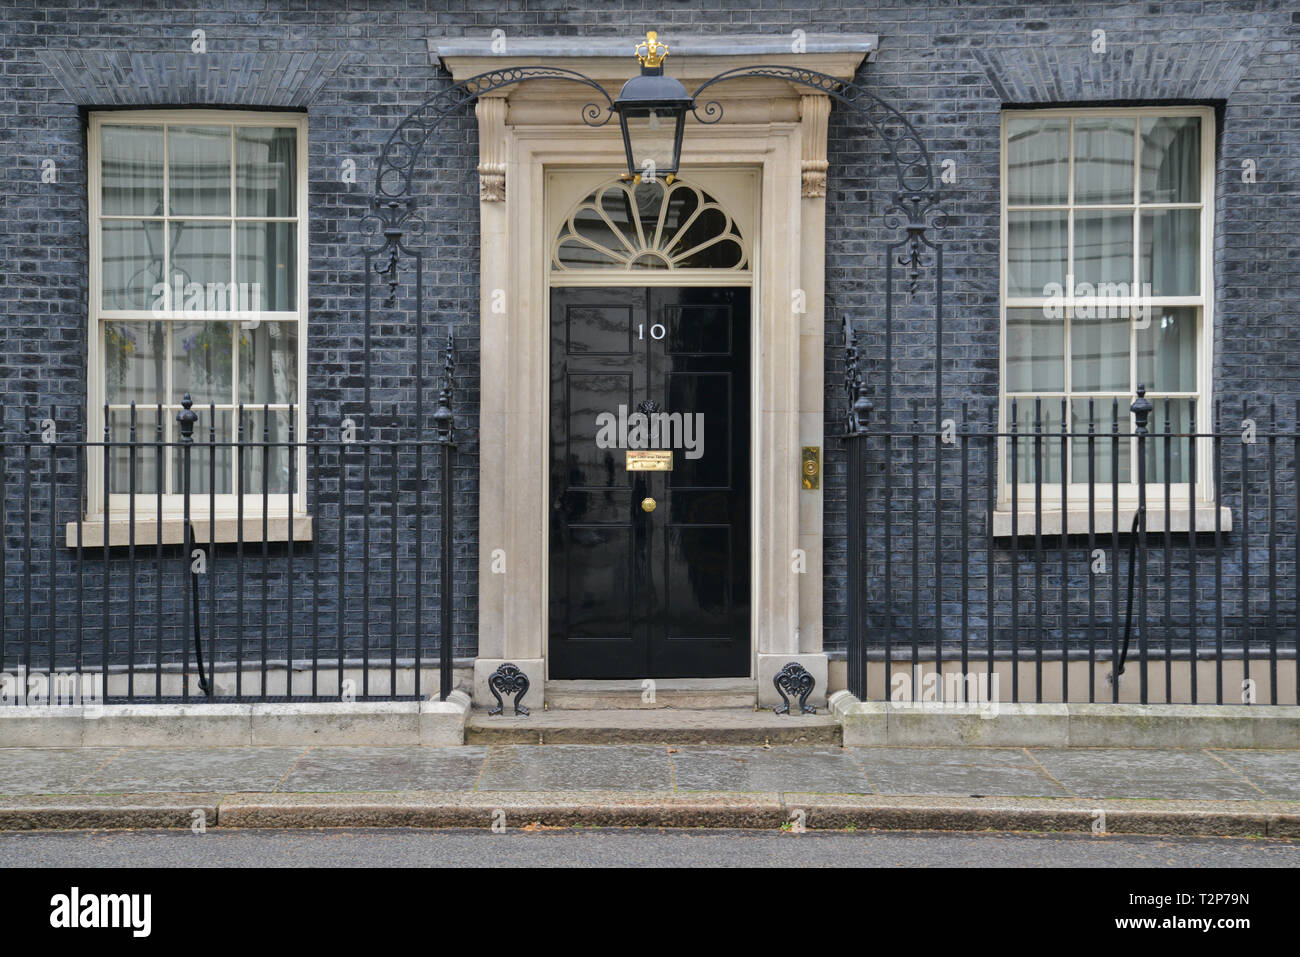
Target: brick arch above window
(109, 78)
(1116, 70)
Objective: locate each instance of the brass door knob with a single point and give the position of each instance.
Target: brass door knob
(648, 504)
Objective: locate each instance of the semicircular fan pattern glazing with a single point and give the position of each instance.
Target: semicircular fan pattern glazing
(649, 225)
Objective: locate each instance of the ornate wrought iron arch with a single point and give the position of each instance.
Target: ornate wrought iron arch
(916, 199)
(392, 213)
(914, 205)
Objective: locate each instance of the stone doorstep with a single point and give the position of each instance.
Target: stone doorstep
(636, 695)
(429, 723)
(876, 723)
(1278, 819)
(653, 726)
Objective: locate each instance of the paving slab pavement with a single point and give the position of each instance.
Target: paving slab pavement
(582, 767)
(1136, 773)
(1277, 773)
(49, 770)
(1248, 792)
(382, 769)
(146, 770)
(958, 772)
(794, 768)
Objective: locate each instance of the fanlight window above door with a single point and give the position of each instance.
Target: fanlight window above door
(649, 225)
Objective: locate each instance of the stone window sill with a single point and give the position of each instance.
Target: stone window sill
(1076, 520)
(227, 530)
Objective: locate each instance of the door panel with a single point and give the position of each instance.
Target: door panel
(593, 579)
(586, 395)
(663, 593)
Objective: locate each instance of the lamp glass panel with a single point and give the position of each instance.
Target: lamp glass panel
(654, 138)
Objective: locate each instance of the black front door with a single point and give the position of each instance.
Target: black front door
(649, 572)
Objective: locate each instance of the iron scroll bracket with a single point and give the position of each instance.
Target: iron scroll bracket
(509, 679)
(794, 679)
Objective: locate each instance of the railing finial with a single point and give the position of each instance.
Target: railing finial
(1141, 409)
(187, 417)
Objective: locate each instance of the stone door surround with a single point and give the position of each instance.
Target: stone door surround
(768, 125)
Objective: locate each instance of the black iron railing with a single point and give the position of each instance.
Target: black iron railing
(270, 563)
(1096, 551)
(1168, 575)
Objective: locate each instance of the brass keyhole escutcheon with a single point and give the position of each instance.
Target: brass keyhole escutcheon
(648, 504)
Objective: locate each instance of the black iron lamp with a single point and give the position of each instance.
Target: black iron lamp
(652, 112)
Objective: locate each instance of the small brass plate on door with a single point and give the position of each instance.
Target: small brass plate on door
(649, 460)
(811, 468)
(648, 504)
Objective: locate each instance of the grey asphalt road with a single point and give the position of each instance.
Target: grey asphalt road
(626, 848)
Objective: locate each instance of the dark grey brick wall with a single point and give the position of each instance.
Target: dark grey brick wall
(357, 68)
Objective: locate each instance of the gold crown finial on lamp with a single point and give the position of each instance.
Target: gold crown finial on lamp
(650, 52)
(652, 110)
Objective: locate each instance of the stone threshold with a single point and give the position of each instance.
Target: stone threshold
(640, 695)
(682, 726)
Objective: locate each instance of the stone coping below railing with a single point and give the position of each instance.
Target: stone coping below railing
(996, 724)
(430, 723)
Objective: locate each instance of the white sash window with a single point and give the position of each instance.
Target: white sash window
(198, 286)
(1107, 216)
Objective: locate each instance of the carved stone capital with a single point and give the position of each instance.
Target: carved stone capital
(491, 112)
(814, 178)
(814, 111)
